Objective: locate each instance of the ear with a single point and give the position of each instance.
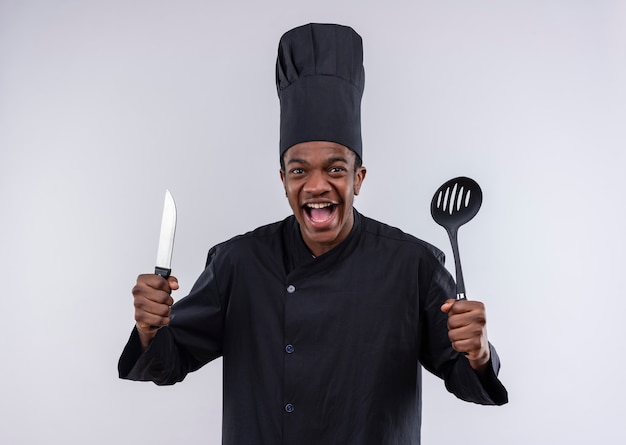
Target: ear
(283, 179)
(359, 177)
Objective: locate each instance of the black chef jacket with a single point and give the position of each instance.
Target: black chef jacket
(322, 350)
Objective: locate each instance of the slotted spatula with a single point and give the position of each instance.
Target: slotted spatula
(455, 203)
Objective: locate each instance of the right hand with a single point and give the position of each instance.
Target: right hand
(152, 302)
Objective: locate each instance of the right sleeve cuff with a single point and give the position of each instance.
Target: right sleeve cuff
(131, 353)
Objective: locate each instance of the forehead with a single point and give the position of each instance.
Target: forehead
(318, 151)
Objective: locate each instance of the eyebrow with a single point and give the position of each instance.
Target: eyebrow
(297, 161)
(338, 159)
(330, 160)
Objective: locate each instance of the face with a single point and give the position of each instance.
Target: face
(321, 182)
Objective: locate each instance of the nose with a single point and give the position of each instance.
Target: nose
(316, 184)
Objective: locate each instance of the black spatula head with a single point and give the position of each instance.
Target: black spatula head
(455, 203)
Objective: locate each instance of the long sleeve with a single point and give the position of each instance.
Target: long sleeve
(193, 338)
(439, 357)
(160, 363)
(324, 350)
(462, 381)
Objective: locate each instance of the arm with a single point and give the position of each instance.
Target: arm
(191, 333)
(455, 346)
(467, 332)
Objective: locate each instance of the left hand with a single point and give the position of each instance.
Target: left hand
(467, 330)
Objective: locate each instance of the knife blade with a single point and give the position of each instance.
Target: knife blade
(166, 238)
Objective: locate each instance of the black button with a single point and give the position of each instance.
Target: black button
(289, 349)
(289, 408)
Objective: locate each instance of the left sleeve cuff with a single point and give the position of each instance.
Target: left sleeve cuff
(490, 382)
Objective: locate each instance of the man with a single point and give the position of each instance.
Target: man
(324, 318)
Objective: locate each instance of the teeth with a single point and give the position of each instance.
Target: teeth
(318, 205)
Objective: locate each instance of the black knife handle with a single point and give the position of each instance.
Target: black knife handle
(165, 273)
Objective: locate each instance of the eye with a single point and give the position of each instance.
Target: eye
(296, 171)
(336, 169)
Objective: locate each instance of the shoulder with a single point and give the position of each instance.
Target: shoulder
(266, 238)
(393, 236)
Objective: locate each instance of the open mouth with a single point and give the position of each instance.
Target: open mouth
(320, 212)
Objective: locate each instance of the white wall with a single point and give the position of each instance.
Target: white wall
(105, 104)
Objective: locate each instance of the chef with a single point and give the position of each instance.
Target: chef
(325, 319)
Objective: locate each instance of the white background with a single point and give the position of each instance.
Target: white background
(105, 104)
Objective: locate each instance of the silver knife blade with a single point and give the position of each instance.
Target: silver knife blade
(166, 238)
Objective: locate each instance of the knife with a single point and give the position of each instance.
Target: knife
(166, 238)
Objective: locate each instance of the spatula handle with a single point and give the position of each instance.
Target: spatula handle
(460, 284)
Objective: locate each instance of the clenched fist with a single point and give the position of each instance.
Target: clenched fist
(153, 301)
(467, 330)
